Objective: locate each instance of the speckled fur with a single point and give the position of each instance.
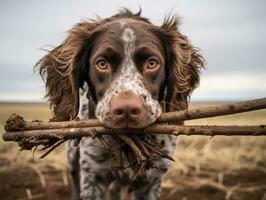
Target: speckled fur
(91, 173)
(93, 168)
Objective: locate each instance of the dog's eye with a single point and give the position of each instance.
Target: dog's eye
(151, 63)
(102, 64)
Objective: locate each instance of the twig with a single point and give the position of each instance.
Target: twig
(157, 151)
(53, 147)
(38, 142)
(153, 129)
(213, 111)
(207, 130)
(106, 146)
(77, 141)
(142, 147)
(139, 167)
(52, 134)
(138, 170)
(16, 123)
(55, 133)
(134, 147)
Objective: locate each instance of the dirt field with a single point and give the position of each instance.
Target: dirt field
(229, 168)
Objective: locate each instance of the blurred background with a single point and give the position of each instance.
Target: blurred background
(231, 37)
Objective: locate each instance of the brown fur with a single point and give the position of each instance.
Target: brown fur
(184, 62)
(62, 67)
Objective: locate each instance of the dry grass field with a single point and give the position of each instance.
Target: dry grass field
(206, 167)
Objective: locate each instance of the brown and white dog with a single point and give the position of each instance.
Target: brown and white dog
(118, 69)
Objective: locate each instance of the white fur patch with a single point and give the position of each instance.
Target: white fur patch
(83, 102)
(128, 37)
(122, 23)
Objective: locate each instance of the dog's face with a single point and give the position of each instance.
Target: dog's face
(127, 73)
(129, 65)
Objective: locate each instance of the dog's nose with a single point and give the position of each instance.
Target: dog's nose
(126, 108)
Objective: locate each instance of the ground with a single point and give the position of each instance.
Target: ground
(206, 167)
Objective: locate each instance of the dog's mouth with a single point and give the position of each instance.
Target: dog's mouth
(128, 110)
(126, 121)
(123, 125)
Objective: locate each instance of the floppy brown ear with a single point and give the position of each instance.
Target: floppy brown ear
(60, 69)
(184, 64)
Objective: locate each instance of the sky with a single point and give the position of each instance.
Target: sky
(231, 36)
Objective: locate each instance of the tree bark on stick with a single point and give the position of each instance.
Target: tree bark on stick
(15, 122)
(204, 112)
(213, 111)
(68, 133)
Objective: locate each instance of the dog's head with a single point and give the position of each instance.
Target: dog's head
(130, 66)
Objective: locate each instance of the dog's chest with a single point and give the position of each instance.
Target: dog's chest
(95, 156)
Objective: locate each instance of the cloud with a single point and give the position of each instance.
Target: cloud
(230, 86)
(22, 97)
(230, 34)
(242, 82)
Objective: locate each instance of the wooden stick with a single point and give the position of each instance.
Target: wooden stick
(134, 147)
(141, 146)
(157, 151)
(52, 134)
(15, 122)
(153, 129)
(213, 111)
(56, 133)
(207, 130)
(53, 147)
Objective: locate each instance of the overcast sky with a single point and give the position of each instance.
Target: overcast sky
(230, 34)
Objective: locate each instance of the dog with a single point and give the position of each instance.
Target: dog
(125, 71)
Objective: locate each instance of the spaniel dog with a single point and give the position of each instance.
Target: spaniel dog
(124, 71)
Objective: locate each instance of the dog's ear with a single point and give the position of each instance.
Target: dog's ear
(60, 69)
(183, 65)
